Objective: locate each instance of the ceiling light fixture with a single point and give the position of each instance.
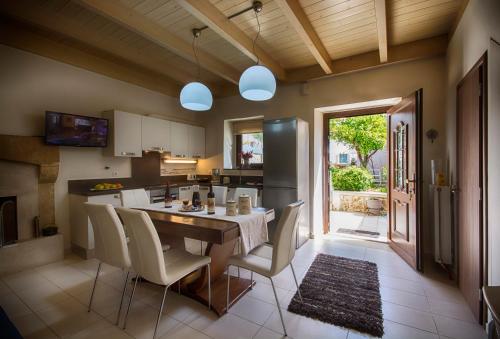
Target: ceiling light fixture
(196, 96)
(257, 83)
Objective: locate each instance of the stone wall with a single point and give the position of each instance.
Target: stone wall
(349, 201)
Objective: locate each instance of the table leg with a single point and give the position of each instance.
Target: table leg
(196, 289)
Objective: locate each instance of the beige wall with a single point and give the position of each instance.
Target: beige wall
(471, 40)
(30, 84)
(384, 82)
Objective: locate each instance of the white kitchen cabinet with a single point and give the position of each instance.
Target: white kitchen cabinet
(196, 141)
(179, 140)
(185, 193)
(155, 134)
(125, 134)
(82, 233)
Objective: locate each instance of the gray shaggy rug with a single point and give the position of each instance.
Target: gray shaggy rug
(343, 292)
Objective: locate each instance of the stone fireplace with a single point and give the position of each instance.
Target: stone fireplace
(28, 171)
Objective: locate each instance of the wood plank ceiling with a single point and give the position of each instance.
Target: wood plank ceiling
(299, 39)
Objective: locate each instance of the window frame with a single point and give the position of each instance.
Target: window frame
(239, 146)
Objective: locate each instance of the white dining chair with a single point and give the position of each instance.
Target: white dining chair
(269, 261)
(150, 263)
(252, 192)
(110, 243)
(138, 198)
(220, 195)
(134, 198)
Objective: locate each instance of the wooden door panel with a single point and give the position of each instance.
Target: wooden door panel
(469, 180)
(405, 178)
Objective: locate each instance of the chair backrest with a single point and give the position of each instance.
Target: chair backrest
(144, 245)
(110, 242)
(285, 237)
(252, 192)
(134, 198)
(220, 195)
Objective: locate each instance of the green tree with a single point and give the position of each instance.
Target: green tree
(365, 134)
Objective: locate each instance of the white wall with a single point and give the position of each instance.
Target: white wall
(380, 83)
(30, 84)
(471, 40)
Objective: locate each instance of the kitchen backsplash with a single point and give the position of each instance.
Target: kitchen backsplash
(176, 169)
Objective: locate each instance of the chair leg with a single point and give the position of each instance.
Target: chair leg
(121, 300)
(227, 291)
(279, 308)
(95, 283)
(296, 283)
(209, 288)
(161, 310)
(130, 301)
(251, 280)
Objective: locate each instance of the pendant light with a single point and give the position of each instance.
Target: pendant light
(257, 83)
(196, 96)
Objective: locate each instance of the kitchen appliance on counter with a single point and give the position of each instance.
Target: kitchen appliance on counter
(286, 170)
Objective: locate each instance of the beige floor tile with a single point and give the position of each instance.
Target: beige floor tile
(458, 329)
(101, 329)
(451, 310)
(142, 319)
(30, 325)
(182, 331)
(402, 284)
(412, 300)
(253, 310)
(302, 327)
(408, 316)
(265, 333)
(265, 293)
(13, 306)
(230, 326)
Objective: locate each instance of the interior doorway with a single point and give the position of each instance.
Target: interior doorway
(358, 164)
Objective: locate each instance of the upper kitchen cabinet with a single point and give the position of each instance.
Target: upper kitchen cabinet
(179, 140)
(155, 134)
(196, 141)
(125, 134)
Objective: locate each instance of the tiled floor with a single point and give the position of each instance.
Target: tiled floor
(358, 221)
(50, 302)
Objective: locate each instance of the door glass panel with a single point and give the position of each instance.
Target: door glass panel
(400, 136)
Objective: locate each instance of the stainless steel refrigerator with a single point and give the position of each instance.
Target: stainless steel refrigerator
(286, 170)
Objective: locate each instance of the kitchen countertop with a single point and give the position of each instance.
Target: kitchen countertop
(85, 191)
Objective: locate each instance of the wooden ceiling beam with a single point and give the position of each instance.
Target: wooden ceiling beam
(419, 49)
(381, 17)
(300, 22)
(154, 32)
(30, 39)
(217, 21)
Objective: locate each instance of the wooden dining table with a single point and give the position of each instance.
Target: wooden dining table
(221, 237)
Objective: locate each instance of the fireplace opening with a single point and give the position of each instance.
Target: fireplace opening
(8, 220)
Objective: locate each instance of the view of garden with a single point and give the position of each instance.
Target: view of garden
(358, 199)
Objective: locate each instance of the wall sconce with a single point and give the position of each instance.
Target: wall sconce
(432, 135)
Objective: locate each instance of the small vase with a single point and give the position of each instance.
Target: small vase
(246, 163)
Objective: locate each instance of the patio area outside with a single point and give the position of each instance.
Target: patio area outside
(358, 177)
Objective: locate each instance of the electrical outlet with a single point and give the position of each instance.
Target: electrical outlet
(114, 173)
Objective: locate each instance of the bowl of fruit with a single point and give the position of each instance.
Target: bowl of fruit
(106, 187)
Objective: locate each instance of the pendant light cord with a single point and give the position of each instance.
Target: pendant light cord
(256, 37)
(196, 58)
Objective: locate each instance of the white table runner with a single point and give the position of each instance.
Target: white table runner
(253, 227)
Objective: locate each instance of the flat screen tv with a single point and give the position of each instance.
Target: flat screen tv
(64, 129)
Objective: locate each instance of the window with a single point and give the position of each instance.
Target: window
(250, 143)
(343, 158)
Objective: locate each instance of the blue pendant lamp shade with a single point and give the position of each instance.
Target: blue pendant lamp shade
(257, 83)
(196, 97)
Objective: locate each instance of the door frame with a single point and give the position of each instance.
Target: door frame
(481, 64)
(326, 153)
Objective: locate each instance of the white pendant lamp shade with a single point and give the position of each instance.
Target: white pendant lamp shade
(196, 97)
(257, 83)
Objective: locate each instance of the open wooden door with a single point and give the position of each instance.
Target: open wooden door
(405, 179)
(470, 184)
